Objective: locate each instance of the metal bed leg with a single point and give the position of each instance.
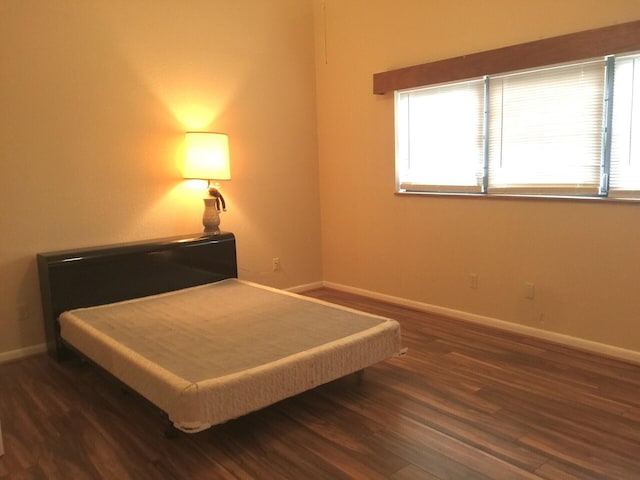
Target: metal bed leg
(171, 432)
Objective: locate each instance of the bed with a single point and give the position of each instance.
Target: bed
(170, 319)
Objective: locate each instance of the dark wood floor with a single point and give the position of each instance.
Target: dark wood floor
(466, 403)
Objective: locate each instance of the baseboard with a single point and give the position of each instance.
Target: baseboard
(567, 340)
(304, 288)
(575, 342)
(22, 353)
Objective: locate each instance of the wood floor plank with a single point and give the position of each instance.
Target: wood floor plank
(554, 470)
(466, 402)
(412, 472)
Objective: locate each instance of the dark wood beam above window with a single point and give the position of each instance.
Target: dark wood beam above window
(598, 42)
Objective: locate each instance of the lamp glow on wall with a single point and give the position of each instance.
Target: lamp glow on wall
(207, 158)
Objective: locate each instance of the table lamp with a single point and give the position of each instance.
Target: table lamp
(207, 158)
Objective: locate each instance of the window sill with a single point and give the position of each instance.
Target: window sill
(512, 196)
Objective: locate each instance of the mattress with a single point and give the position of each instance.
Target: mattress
(211, 353)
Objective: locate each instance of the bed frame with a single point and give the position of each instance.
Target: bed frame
(197, 391)
(100, 275)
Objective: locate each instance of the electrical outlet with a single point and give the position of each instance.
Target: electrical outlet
(276, 264)
(529, 291)
(473, 281)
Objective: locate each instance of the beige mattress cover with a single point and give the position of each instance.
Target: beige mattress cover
(211, 353)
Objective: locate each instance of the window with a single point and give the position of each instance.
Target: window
(441, 151)
(557, 130)
(625, 142)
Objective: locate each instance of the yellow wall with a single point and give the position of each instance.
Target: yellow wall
(95, 97)
(583, 257)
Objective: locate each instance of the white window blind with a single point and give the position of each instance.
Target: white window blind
(545, 130)
(439, 138)
(625, 145)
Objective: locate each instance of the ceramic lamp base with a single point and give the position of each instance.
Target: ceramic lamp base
(211, 216)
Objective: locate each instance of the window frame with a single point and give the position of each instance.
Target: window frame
(574, 47)
(402, 103)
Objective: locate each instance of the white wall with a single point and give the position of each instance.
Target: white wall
(95, 98)
(582, 256)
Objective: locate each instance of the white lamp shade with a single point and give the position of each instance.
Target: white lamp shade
(207, 156)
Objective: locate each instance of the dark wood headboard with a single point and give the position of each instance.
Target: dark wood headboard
(99, 275)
